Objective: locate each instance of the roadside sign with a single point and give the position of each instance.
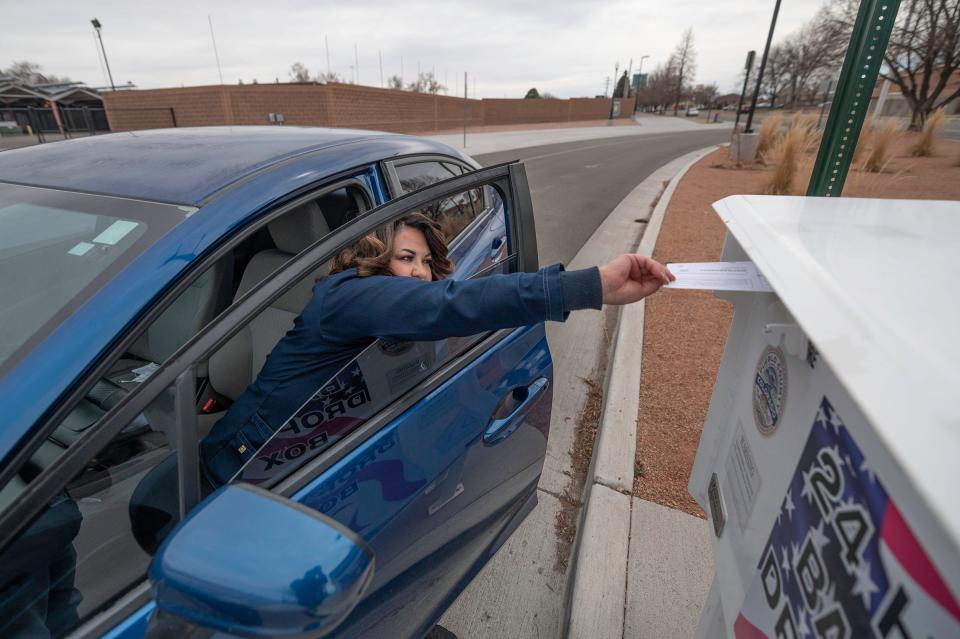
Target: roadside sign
(616, 108)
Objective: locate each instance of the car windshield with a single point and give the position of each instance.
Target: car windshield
(57, 248)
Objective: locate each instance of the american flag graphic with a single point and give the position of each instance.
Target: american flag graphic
(841, 560)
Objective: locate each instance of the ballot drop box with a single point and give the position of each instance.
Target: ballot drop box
(829, 465)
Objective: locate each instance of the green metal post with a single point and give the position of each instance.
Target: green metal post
(858, 77)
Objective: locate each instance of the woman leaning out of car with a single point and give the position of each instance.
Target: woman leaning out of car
(392, 286)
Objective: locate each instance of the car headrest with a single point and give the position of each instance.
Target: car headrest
(297, 229)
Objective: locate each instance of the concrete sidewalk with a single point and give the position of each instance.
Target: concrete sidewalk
(640, 569)
(478, 143)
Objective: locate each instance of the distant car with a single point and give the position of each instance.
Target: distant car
(692, 112)
(146, 276)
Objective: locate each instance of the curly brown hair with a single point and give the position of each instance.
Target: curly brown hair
(371, 255)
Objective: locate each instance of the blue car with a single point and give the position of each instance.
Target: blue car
(145, 277)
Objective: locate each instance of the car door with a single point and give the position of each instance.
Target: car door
(455, 437)
(443, 442)
(436, 473)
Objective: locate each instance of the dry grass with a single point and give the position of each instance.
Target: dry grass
(924, 147)
(883, 139)
(769, 135)
(791, 159)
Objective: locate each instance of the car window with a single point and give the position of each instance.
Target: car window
(453, 214)
(57, 248)
(417, 175)
(96, 537)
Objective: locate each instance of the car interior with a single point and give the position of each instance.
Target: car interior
(231, 369)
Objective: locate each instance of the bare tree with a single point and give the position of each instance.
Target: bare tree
(329, 76)
(659, 86)
(394, 82)
(685, 61)
(776, 76)
(705, 94)
(426, 83)
(923, 52)
(299, 73)
(30, 73)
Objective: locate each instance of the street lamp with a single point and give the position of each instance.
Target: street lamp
(96, 25)
(636, 103)
(613, 94)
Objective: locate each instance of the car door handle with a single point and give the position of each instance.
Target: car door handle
(500, 429)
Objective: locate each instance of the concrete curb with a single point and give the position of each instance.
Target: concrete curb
(599, 564)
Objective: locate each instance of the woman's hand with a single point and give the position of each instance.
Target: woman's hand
(631, 277)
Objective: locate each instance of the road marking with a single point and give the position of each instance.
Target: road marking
(590, 166)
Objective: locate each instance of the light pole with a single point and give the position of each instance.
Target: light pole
(96, 25)
(613, 94)
(636, 102)
(763, 64)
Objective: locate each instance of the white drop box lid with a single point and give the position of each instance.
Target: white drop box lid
(875, 285)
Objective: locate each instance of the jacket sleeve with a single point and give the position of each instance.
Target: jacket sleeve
(407, 308)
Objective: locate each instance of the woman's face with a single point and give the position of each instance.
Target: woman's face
(411, 255)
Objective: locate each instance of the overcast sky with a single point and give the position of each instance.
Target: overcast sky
(568, 49)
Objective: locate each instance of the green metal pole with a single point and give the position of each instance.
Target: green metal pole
(858, 77)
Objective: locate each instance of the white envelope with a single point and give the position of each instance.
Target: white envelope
(719, 276)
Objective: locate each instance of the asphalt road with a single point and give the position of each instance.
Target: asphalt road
(575, 185)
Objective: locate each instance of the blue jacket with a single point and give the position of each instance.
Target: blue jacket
(348, 312)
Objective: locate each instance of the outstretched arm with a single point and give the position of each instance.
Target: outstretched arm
(411, 309)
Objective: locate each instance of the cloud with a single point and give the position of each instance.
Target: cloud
(567, 47)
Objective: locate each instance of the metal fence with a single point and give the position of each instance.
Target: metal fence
(76, 121)
(41, 122)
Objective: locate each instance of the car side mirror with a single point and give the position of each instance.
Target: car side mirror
(251, 563)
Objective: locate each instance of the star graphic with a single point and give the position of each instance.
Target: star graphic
(864, 468)
(823, 416)
(788, 504)
(864, 584)
(794, 552)
(807, 490)
(357, 373)
(818, 537)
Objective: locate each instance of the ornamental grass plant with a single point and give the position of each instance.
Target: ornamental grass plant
(883, 139)
(926, 144)
(769, 135)
(790, 160)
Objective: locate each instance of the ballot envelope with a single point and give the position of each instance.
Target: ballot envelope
(829, 465)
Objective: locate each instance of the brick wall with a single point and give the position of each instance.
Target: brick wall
(337, 105)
